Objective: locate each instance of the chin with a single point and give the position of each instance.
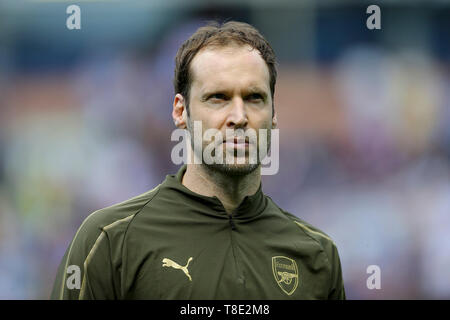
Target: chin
(233, 169)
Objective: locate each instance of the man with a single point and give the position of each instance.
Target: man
(207, 232)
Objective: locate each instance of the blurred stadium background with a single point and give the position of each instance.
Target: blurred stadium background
(363, 115)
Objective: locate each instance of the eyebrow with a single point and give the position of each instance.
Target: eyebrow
(248, 91)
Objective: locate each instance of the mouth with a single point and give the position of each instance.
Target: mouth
(237, 142)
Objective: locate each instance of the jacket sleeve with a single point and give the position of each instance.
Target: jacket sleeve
(337, 291)
(86, 270)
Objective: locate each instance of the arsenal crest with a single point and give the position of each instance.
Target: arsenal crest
(285, 272)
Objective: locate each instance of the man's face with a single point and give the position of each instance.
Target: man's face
(230, 89)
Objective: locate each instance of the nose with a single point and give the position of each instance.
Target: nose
(237, 118)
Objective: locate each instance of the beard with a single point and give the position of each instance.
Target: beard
(234, 170)
(229, 169)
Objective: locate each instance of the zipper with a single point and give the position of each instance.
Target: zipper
(233, 226)
(240, 277)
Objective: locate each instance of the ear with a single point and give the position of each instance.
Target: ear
(274, 120)
(179, 111)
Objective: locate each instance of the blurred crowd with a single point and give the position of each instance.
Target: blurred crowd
(364, 156)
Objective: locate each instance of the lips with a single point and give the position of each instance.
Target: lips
(237, 140)
(236, 143)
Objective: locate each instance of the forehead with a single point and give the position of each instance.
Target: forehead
(230, 66)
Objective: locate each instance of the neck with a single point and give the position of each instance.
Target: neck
(230, 190)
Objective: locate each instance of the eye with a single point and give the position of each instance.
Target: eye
(217, 97)
(255, 97)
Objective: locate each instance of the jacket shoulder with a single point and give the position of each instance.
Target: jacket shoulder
(96, 246)
(113, 218)
(105, 218)
(317, 234)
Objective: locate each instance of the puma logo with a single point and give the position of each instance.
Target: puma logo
(170, 263)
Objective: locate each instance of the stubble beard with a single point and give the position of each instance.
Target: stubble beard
(228, 169)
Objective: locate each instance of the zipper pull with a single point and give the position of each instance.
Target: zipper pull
(233, 227)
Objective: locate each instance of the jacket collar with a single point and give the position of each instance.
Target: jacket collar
(250, 206)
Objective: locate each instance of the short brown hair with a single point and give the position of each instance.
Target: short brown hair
(215, 34)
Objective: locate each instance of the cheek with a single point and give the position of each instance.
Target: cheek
(265, 114)
(264, 121)
(208, 118)
(205, 122)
